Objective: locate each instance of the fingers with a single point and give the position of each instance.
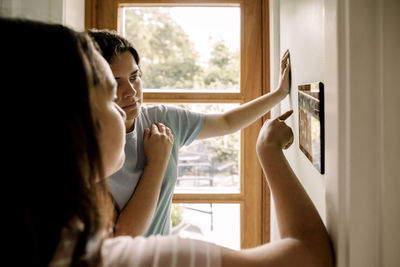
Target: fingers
(286, 115)
(276, 133)
(146, 133)
(286, 55)
(159, 129)
(154, 129)
(285, 70)
(168, 132)
(287, 67)
(288, 132)
(285, 61)
(290, 141)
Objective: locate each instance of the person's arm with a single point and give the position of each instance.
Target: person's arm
(304, 240)
(135, 218)
(242, 116)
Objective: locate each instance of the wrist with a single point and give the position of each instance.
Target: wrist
(268, 150)
(156, 165)
(280, 92)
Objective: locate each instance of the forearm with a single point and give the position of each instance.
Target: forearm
(304, 240)
(286, 252)
(136, 217)
(249, 112)
(239, 117)
(297, 216)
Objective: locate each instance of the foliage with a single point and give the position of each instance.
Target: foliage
(176, 214)
(169, 59)
(168, 56)
(219, 150)
(222, 72)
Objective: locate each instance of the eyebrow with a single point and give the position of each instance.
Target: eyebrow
(135, 71)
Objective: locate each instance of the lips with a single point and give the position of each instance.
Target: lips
(132, 104)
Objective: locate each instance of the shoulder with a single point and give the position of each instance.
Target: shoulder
(159, 251)
(161, 108)
(120, 250)
(169, 113)
(154, 111)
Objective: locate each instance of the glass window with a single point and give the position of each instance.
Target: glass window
(186, 48)
(204, 52)
(213, 222)
(209, 165)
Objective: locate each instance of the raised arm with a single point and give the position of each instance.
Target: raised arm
(242, 116)
(304, 239)
(135, 218)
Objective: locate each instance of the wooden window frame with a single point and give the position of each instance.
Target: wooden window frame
(254, 196)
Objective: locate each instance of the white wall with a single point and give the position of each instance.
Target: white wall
(67, 12)
(362, 40)
(299, 27)
(390, 123)
(353, 47)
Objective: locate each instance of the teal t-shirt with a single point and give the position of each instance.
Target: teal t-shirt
(185, 125)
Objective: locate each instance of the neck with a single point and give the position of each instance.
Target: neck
(129, 125)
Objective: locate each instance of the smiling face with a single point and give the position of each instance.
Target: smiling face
(129, 92)
(111, 119)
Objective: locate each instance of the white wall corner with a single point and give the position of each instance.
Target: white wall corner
(74, 14)
(70, 13)
(362, 43)
(274, 32)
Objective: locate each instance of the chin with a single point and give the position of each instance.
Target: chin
(132, 114)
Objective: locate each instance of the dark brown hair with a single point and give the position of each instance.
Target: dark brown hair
(112, 44)
(50, 140)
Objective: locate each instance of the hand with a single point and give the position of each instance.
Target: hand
(275, 133)
(284, 82)
(157, 144)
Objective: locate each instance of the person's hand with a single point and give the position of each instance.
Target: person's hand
(275, 134)
(157, 144)
(284, 80)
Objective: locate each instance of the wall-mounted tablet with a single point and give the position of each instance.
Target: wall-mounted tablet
(311, 123)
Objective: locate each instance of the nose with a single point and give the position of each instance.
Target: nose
(128, 89)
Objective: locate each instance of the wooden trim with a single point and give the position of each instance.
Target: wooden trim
(207, 198)
(266, 194)
(254, 81)
(193, 97)
(90, 14)
(107, 14)
(251, 77)
(181, 2)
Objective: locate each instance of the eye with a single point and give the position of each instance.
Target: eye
(134, 78)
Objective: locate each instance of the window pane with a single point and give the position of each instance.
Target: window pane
(209, 165)
(186, 48)
(216, 223)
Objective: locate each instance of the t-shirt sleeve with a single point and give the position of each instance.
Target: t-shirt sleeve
(160, 251)
(185, 124)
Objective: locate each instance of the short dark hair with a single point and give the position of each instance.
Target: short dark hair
(113, 44)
